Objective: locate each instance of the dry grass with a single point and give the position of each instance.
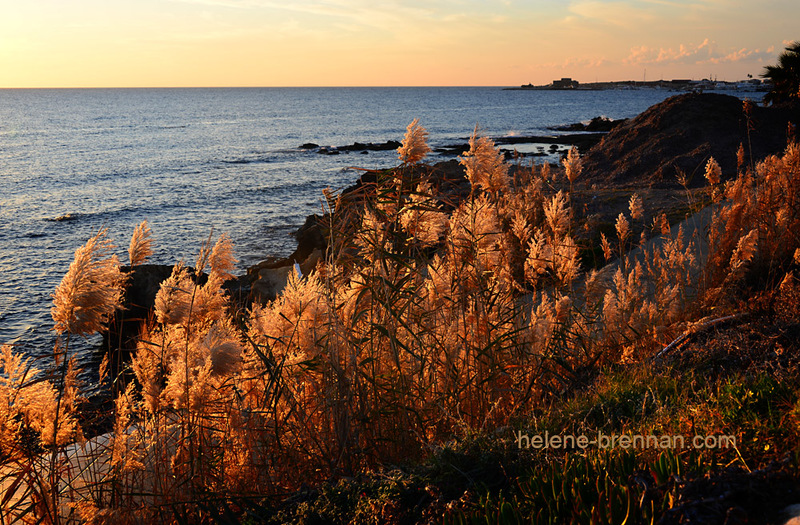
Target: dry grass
(428, 319)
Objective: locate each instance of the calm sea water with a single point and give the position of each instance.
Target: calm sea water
(195, 160)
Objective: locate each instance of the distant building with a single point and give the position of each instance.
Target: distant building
(565, 83)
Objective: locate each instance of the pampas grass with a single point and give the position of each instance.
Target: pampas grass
(140, 248)
(90, 291)
(415, 144)
(484, 164)
(423, 322)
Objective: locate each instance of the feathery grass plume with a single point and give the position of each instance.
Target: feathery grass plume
(421, 217)
(556, 255)
(14, 371)
(608, 253)
(140, 248)
(475, 234)
(148, 365)
(223, 348)
(713, 171)
(485, 166)
(573, 165)
(210, 301)
(545, 172)
(373, 236)
(520, 227)
(661, 223)
(635, 205)
(558, 214)
(51, 413)
(540, 256)
(124, 456)
(565, 260)
(415, 144)
(295, 324)
(745, 250)
(221, 260)
(173, 298)
(542, 322)
(623, 228)
(91, 290)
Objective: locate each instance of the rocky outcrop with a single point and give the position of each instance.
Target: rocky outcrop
(140, 296)
(679, 135)
(356, 146)
(139, 300)
(597, 124)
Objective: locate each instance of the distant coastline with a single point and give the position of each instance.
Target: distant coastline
(569, 84)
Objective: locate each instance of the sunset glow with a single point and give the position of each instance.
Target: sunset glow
(90, 43)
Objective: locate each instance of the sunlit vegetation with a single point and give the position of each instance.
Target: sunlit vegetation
(436, 326)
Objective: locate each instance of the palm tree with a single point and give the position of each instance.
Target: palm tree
(785, 76)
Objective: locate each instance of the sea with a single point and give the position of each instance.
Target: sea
(201, 162)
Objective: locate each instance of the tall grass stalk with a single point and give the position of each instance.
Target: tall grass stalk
(429, 317)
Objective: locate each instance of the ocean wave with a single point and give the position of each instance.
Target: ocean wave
(260, 159)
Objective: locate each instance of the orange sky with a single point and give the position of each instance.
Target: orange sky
(133, 43)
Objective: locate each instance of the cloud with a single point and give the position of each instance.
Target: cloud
(575, 63)
(745, 55)
(705, 53)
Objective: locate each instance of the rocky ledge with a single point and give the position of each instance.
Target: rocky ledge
(356, 146)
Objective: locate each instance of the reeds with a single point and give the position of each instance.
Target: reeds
(424, 321)
(90, 291)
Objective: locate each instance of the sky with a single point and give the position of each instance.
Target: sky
(177, 43)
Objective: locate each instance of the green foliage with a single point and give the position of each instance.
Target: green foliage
(785, 76)
(609, 487)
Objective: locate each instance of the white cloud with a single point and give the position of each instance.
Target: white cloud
(575, 63)
(706, 52)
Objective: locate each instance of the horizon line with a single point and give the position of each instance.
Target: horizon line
(360, 86)
(258, 87)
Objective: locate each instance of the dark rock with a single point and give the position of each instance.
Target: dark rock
(453, 149)
(358, 146)
(137, 307)
(144, 281)
(583, 141)
(597, 124)
(680, 134)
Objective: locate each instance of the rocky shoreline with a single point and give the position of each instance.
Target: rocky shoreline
(650, 150)
(581, 135)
